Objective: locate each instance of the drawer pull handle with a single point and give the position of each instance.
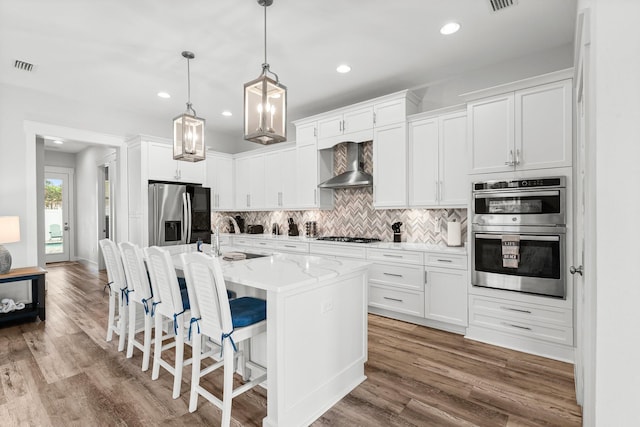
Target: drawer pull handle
(262, 243)
(516, 326)
(289, 246)
(515, 309)
(392, 274)
(393, 256)
(393, 299)
(445, 260)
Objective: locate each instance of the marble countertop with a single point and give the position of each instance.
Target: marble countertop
(422, 247)
(276, 272)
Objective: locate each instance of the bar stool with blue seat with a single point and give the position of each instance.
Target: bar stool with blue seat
(231, 322)
(118, 292)
(140, 299)
(170, 303)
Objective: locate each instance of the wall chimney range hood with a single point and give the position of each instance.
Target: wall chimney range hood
(354, 176)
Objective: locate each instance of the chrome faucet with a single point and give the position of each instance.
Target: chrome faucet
(215, 250)
(236, 228)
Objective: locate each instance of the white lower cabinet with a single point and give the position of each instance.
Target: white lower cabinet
(445, 295)
(396, 300)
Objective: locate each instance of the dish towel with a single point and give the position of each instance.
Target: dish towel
(510, 251)
(233, 256)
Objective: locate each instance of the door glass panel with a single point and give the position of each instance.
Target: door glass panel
(53, 216)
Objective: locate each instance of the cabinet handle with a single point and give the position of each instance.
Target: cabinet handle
(510, 162)
(315, 132)
(248, 201)
(515, 309)
(392, 256)
(440, 191)
(289, 246)
(374, 118)
(315, 200)
(262, 243)
(340, 125)
(444, 260)
(392, 274)
(425, 277)
(515, 326)
(436, 190)
(393, 299)
(344, 126)
(518, 156)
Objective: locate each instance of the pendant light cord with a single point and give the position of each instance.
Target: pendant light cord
(265, 36)
(189, 107)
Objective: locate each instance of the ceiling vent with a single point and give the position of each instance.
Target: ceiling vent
(24, 66)
(497, 5)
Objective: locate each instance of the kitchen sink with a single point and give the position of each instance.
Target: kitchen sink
(248, 255)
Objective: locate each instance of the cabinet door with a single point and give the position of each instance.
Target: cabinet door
(273, 179)
(423, 162)
(224, 188)
(288, 188)
(543, 128)
(192, 172)
(306, 176)
(306, 134)
(257, 183)
(357, 120)
(446, 296)
(491, 134)
(453, 186)
(243, 188)
(390, 166)
(390, 112)
(330, 127)
(162, 167)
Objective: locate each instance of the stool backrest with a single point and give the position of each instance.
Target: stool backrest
(135, 270)
(206, 282)
(166, 290)
(113, 262)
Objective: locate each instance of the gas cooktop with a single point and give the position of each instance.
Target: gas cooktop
(349, 239)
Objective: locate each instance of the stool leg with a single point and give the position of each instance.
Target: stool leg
(195, 371)
(227, 390)
(177, 380)
(122, 329)
(112, 315)
(157, 347)
(132, 329)
(148, 329)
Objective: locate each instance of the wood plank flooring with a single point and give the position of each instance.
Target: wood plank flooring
(62, 372)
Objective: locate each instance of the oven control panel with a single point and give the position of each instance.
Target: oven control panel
(520, 183)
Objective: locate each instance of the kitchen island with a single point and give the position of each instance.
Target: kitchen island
(316, 341)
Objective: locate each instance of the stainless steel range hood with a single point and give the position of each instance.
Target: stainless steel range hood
(354, 176)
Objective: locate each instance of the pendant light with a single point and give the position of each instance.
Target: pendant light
(188, 129)
(265, 102)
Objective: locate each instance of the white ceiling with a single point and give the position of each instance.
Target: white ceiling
(120, 53)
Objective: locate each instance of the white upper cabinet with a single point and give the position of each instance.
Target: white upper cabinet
(353, 124)
(220, 180)
(162, 167)
(522, 130)
(250, 183)
(392, 111)
(312, 167)
(437, 160)
(390, 166)
(280, 190)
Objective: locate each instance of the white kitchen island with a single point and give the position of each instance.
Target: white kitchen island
(316, 343)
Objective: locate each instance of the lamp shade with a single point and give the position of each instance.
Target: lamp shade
(9, 229)
(265, 111)
(188, 138)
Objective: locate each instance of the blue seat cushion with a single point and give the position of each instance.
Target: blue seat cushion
(246, 311)
(183, 288)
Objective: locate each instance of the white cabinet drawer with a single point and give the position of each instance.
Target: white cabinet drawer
(552, 333)
(519, 311)
(434, 259)
(242, 241)
(297, 247)
(403, 276)
(264, 244)
(401, 301)
(405, 257)
(337, 250)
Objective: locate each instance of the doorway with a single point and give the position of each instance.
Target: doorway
(107, 182)
(58, 214)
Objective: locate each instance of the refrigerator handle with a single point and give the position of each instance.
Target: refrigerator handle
(185, 218)
(154, 226)
(189, 217)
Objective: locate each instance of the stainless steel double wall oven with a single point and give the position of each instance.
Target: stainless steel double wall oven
(519, 235)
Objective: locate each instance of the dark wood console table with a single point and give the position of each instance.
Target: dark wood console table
(34, 309)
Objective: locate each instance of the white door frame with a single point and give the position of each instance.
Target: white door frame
(69, 237)
(109, 161)
(32, 130)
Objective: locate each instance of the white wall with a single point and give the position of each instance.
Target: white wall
(616, 68)
(55, 158)
(86, 197)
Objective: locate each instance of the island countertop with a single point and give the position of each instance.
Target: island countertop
(276, 272)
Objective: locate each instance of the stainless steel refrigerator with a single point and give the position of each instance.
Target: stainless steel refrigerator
(178, 214)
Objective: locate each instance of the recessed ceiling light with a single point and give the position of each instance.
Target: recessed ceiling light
(449, 28)
(344, 68)
(164, 95)
(227, 113)
(56, 141)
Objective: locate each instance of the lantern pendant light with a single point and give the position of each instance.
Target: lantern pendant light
(265, 102)
(188, 129)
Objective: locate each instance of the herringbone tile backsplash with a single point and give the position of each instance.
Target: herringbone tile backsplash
(353, 214)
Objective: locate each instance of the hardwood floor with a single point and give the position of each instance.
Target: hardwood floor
(62, 372)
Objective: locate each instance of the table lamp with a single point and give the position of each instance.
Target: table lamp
(9, 233)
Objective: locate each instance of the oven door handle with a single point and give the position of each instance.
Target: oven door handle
(522, 237)
(523, 193)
